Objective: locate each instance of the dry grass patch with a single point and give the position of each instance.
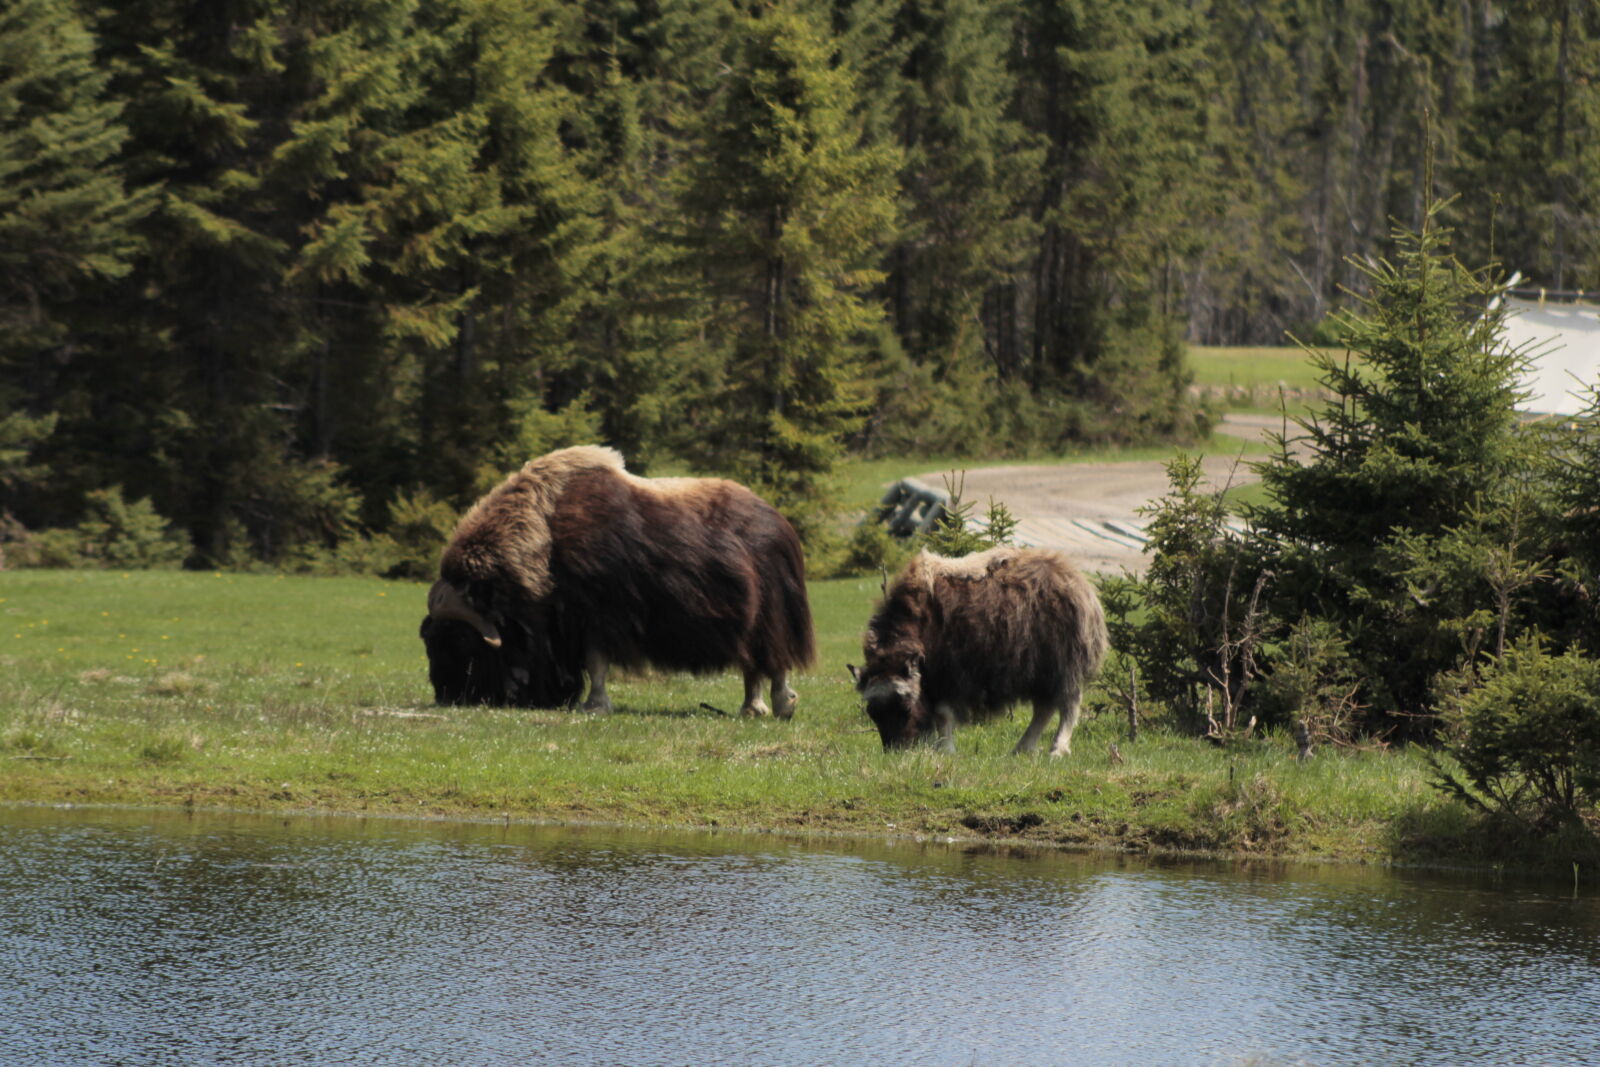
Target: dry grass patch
(175, 684)
(757, 753)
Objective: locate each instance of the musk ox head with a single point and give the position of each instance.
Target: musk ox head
(446, 603)
(463, 668)
(526, 658)
(892, 692)
(465, 663)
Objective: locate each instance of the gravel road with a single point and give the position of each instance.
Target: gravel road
(1091, 510)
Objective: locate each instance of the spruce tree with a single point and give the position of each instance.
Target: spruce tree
(213, 341)
(1237, 287)
(1120, 91)
(1530, 161)
(477, 231)
(636, 74)
(1418, 454)
(356, 280)
(65, 215)
(788, 212)
(351, 76)
(67, 227)
(968, 168)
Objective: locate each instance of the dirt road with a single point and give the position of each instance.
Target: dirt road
(1091, 510)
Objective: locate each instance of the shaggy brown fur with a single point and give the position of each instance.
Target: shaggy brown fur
(967, 638)
(507, 532)
(581, 565)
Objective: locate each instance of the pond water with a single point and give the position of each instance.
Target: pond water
(135, 938)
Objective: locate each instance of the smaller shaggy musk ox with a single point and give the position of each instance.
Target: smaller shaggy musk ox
(572, 565)
(966, 638)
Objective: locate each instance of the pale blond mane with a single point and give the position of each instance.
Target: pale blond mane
(926, 567)
(679, 486)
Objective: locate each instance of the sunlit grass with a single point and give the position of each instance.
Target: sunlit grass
(265, 692)
(1261, 379)
(1245, 367)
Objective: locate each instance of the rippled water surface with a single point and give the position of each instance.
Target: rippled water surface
(164, 939)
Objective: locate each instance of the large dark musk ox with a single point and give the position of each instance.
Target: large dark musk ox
(958, 639)
(572, 565)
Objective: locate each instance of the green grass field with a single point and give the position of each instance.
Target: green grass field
(262, 692)
(1252, 367)
(290, 693)
(1256, 379)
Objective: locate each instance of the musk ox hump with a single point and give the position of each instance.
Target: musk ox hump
(506, 534)
(926, 567)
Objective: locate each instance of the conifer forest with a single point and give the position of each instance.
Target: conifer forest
(280, 278)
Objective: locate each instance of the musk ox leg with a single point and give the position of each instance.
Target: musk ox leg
(946, 717)
(595, 663)
(753, 705)
(783, 698)
(1042, 710)
(1070, 701)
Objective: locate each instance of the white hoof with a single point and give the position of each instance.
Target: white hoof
(786, 704)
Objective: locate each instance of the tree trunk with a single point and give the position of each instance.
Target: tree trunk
(1560, 190)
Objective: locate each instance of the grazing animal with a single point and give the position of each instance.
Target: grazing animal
(967, 638)
(572, 565)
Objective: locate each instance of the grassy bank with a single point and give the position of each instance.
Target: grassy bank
(262, 692)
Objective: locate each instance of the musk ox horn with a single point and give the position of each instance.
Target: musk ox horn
(446, 602)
